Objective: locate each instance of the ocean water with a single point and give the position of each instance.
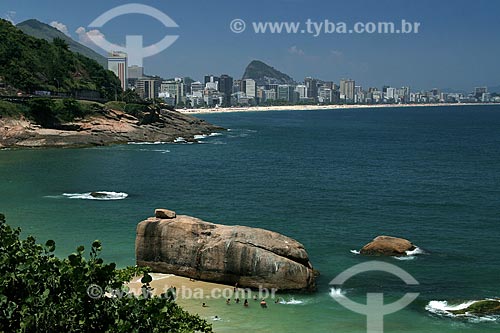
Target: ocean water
(331, 179)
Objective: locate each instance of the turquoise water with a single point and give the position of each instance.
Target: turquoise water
(331, 179)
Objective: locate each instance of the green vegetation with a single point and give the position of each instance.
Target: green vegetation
(42, 293)
(51, 113)
(9, 109)
(30, 64)
(115, 105)
(41, 30)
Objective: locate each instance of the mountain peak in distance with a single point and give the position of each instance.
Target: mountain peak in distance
(264, 74)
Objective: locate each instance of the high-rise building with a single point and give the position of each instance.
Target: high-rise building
(312, 87)
(135, 72)
(325, 94)
(212, 79)
(285, 93)
(148, 88)
(347, 89)
(196, 87)
(391, 93)
(250, 88)
(226, 88)
(117, 63)
(479, 91)
(302, 90)
(174, 88)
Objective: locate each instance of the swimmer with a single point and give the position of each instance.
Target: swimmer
(263, 303)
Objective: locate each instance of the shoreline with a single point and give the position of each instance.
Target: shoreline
(319, 107)
(191, 294)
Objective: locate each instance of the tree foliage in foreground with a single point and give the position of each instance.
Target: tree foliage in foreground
(42, 293)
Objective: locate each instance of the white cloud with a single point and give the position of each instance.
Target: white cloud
(336, 53)
(61, 27)
(85, 37)
(10, 15)
(295, 50)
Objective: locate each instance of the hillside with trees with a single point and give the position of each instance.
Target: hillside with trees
(30, 65)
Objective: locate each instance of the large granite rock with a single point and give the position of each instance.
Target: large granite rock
(251, 257)
(388, 246)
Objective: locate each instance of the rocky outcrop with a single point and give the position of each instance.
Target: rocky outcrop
(165, 214)
(109, 127)
(387, 246)
(486, 307)
(251, 257)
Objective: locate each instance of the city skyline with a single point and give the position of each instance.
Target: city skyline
(455, 48)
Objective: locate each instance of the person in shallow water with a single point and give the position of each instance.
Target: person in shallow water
(246, 303)
(263, 303)
(228, 301)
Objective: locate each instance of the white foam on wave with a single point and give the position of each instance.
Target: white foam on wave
(180, 140)
(411, 255)
(356, 252)
(337, 292)
(147, 143)
(98, 195)
(215, 134)
(405, 258)
(200, 137)
(415, 252)
(291, 301)
(444, 307)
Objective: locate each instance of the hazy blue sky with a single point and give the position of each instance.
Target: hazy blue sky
(458, 45)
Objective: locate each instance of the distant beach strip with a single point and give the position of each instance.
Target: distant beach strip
(321, 107)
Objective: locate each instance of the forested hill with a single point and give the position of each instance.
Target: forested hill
(30, 64)
(41, 30)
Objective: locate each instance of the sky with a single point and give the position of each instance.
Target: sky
(457, 46)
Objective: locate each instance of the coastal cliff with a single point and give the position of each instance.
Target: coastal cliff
(105, 128)
(250, 257)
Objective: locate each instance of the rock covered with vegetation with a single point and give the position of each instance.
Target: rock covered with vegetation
(45, 122)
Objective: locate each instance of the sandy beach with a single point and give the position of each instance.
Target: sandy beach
(191, 294)
(316, 107)
(225, 317)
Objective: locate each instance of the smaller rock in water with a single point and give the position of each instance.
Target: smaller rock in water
(388, 246)
(98, 194)
(165, 214)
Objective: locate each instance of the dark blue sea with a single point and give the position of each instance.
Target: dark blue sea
(332, 179)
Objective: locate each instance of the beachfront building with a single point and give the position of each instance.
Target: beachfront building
(226, 83)
(312, 87)
(148, 87)
(117, 63)
(250, 88)
(325, 95)
(175, 88)
(347, 90)
(286, 93)
(302, 90)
